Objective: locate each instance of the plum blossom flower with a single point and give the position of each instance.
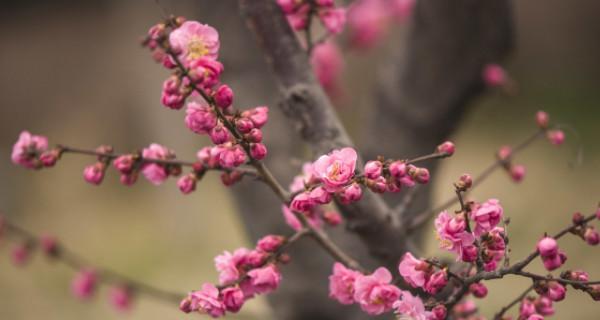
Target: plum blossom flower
(367, 22)
(374, 292)
(327, 63)
(494, 75)
(336, 169)
(207, 301)
(412, 307)
(84, 284)
(229, 264)
(414, 271)
(262, 280)
(486, 215)
(333, 19)
(154, 172)
(451, 231)
(120, 298)
(233, 298)
(341, 283)
(27, 149)
(199, 118)
(194, 40)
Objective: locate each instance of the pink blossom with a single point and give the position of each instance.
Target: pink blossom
(486, 215)
(341, 283)
(398, 169)
(228, 265)
(244, 125)
(333, 19)
(547, 247)
(320, 196)
(207, 301)
(94, 173)
(263, 280)
(187, 183)
(465, 308)
(535, 316)
(542, 119)
(543, 305)
(219, 134)
(302, 202)
(504, 152)
(556, 291)
(556, 137)
(120, 298)
(287, 6)
(233, 299)
(171, 95)
(154, 172)
(367, 21)
(439, 312)
(554, 262)
(270, 243)
(479, 290)
(436, 282)
(232, 156)
(451, 231)
(255, 135)
(419, 175)
(373, 169)
(414, 271)
(336, 169)
(205, 72)
(412, 307)
(124, 164)
(48, 158)
(494, 75)
(374, 292)
(84, 284)
(49, 245)
(327, 63)
(27, 149)
(194, 40)
(447, 147)
(351, 193)
(465, 181)
(517, 172)
(224, 96)
(259, 116)
(591, 236)
(378, 185)
(20, 254)
(128, 179)
(258, 151)
(199, 118)
(332, 218)
(527, 308)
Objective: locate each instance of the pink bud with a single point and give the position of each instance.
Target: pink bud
(186, 305)
(258, 151)
(244, 125)
(517, 172)
(494, 75)
(224, 96)
(479, 290)
(577, 218)
(84, 284)
(94, 173)
(373, 169)
(378, 185)
(556, 291)
(219, 134)
(120, 298)
(20, 254)
(556, 137)
(465, 181)
(320, 196)
(542, 119)
(439, 312)
(447, 147)
(591, 236)
(398, 169)
(527, 308)
(469, 253)
(436, 282)
(543, 306)
(421, 175)
(554, 262)
(230, 178)
(594, 291)
(332, 218)
(124, 164)
(547, 247)
(129, 179)
(49, 245)
(270, 243)
(187, 183)
(255, 135)
(504, 152)
(233, 299)
(49, 157)
(351, 193)
(258, 116)
(302, 202)
(535, 316)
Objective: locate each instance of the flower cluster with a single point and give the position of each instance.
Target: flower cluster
(299, 14)
(421, 274)
(191, 49)
(375, 294)
(31, 151)
(243, 274)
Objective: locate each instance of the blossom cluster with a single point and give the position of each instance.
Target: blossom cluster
(375, 294)
(191, 49)
(299, 14)
(243, 274)
(334, 176)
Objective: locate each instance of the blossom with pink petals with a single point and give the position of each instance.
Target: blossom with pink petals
(94, 173)
(187, 183)
(374, 292)
(199, 118)
(84, 284)
(451, 231)
(327, 63)
(336, 169)
(517, 172)
(556, 137)
(494, 75)
(223, 96)
(412, 307)
(270, 243)
(333, 19)
(486, 215)
(367, 22)
(447, 147)
(207, 301)
(229, 265)
(120, 298)
(233, 299)
(194, 40)
(20, 254)
(414, 271)
(262, 280)
(341, 283)
(154, 172)
(351, 193)
(27, 149)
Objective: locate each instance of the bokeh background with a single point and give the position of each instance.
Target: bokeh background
(74, 71)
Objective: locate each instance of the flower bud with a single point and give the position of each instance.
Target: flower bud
(556, 291)
(255, 135)
(478, 290)
(547, 247)
(187, 183)
(332, 218)
(504, 152)
(270, 243)
(421, 175)
(494, 75)
(542, 119)
(436, 282)
(49, 245)
(373, 169)
(258, 151)
(230, 178)
(224, 96)
(351, 193)
(219, 134)
(48, 158)
(233, 299)
(439, 312)
(186, 305)
(591, 236)
(398, 169)
(20, 254)
(556, 137)
(447, 148)
(320, 196)
(578, 218)
(594, 291)
(129, 179)
(517, 172)
(377, 185)
(94, 173)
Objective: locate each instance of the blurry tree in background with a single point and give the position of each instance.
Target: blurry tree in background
(402, 81)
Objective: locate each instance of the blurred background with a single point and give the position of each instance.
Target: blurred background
(74, 71)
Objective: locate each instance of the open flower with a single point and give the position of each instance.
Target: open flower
(336, 169)
(374, 292)
(194, 40)
(27, 149)
(341, 283)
